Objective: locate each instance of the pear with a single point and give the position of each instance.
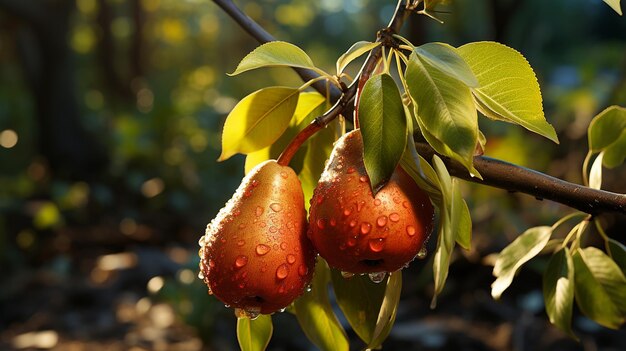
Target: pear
(255, 255)
(357, 232)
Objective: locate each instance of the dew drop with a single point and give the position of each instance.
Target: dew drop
(211, 264)
(282, 310)
(242, 226)
(381, 221)
(421, 254)
(377, 245)
(201, 275)
(281, 289)
(309, 288)
(333, 222)
(377, 202)
(273, 229)
(241, 261)
(365, 228)
(363, 179)
(351, 242)
(410, 230)
(276, 207)
(262, 249)
(320, 199)
(405, 204)
(394, 217)
(350, 170)
(255, 183)
(201, 241)
(359, 206)
(347, 275)
(346, 213)
(258, 211)
(291, 259)
(283, 174)
(302, 270)
(282, 271)
(352, 223)
(242, 285)
(321, 224)
(241, 243)
(283, 246)
(210, 291)
(377, 277)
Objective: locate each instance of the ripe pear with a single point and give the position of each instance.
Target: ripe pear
(255, 255)
(357, 232)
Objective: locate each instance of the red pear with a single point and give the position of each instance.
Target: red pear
(357, 232)
(255, 255)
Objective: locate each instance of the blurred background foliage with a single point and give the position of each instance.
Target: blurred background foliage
(110, 125)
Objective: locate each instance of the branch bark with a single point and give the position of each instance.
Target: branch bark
(496, 173)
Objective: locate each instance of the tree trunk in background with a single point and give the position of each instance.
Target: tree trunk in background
(48, 65)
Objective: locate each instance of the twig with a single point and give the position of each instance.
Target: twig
(262, 36)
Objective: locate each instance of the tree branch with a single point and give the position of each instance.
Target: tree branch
(495, 173)
(504, 175)
(262, 36)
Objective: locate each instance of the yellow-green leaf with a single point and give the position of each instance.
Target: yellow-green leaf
(388, 310)
(356, 50)
(445, 58)
(508, 89)
(254, 334)
(615, 5)
(600, 287)
(315, 313)
(310, 105)
(512, 257)
(258, 120)
(360, 300)
(444, 108)
(558, 290)
(275, 53)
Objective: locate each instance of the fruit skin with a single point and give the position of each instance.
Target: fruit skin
(358, 233)
(255, 254)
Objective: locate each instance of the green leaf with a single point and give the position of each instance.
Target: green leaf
(606, 127)
(310, 105)
(461, 219)
(615, 5)
(508, 88)
(607, 132)
(444, 109)
(615, 153)
(388, 310)
(316, 316)
(356, 50)
(384, 128)
(273, 54)
(421, 172)
(558, 290)
(445, 58)
(446, 234)
(254, 334)
(359, 299)
(595, 174)
(258, 120)
(319, 148)
(600, 287)
(512, 257)
(617, 251)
